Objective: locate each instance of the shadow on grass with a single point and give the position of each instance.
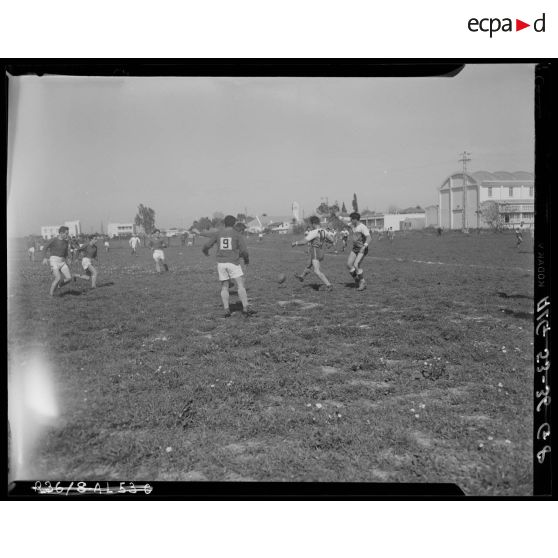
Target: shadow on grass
(312, 286)
(504, 295)
(351, 285)
(107, 284)
(71, 292)
(516, 314)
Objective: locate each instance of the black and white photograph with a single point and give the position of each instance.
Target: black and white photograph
(219, 279)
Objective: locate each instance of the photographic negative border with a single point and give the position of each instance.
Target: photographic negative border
(545, 93)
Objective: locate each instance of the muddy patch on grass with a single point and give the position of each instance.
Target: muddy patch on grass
(422, 439)
(394, 458)
(286, 319)
(517, 314)
(329, 370)
(238, 448)
(297, 304)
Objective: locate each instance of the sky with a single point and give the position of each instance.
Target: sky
(94, 148)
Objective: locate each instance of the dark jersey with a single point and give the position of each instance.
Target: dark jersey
(57, 247)
(157, 244)
(89, 251)
(231, 246)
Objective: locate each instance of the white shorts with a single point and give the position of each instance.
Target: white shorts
(158, 255)
(31, 250)
(59, 264)
(85, 263)
(229, 271)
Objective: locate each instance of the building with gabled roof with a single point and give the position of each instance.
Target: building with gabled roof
(513, 192)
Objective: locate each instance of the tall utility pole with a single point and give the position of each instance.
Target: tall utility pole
(465, 159)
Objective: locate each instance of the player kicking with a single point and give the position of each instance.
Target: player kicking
(361, 240)
(56, 252)
(316, 238)
(89, 252)
(231, 247)
(157, 244)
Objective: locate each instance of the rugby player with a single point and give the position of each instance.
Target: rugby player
(56, 252)
(134, 243)
(344, 237)
(231, 247)
(89, 252)
(31, 248)
(316, 238)
(156, 243)
(361, 240)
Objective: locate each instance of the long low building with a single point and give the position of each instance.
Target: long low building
(50, 231)
(513, 192)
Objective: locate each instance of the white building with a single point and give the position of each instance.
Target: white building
(121, 229)
(280, 224)
(514, 192)
(50, 231)
(431, 216)
(74, 227)
(413, 216)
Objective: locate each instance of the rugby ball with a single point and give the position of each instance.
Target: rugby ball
(282, 278)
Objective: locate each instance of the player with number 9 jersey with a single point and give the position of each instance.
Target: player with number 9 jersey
(231, 247)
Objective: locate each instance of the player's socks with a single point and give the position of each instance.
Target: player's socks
(166, 267)
(227, 313)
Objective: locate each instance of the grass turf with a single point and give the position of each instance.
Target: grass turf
(426, 376)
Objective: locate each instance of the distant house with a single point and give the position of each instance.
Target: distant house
(123, 229)
(431, 216)
(50, 231)
(279, 224)
(513, 192)
(372, 219)
(413, 216)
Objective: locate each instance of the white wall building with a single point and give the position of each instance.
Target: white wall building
(395, 220)
(74, 227)
(50, 231)
(514, 192)
(118, 229)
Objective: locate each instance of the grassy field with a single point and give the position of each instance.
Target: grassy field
(424, 377)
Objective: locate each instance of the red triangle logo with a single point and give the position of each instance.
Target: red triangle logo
(519, 25)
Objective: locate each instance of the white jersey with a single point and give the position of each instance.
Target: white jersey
(359, 234)
(317, 237)
(134, 241)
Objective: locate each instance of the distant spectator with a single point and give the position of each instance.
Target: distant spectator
(134, 243)
(31, 248)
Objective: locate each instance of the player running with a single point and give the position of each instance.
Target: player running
(231, 247)
(361, 240)
(315, 238)
(134, 243)
(156, 243)
(56, 252)
(89, 252)
(519, 235)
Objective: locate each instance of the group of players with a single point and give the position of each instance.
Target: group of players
(317, 238)
(231, 247)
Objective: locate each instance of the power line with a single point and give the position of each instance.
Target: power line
(465, 159)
